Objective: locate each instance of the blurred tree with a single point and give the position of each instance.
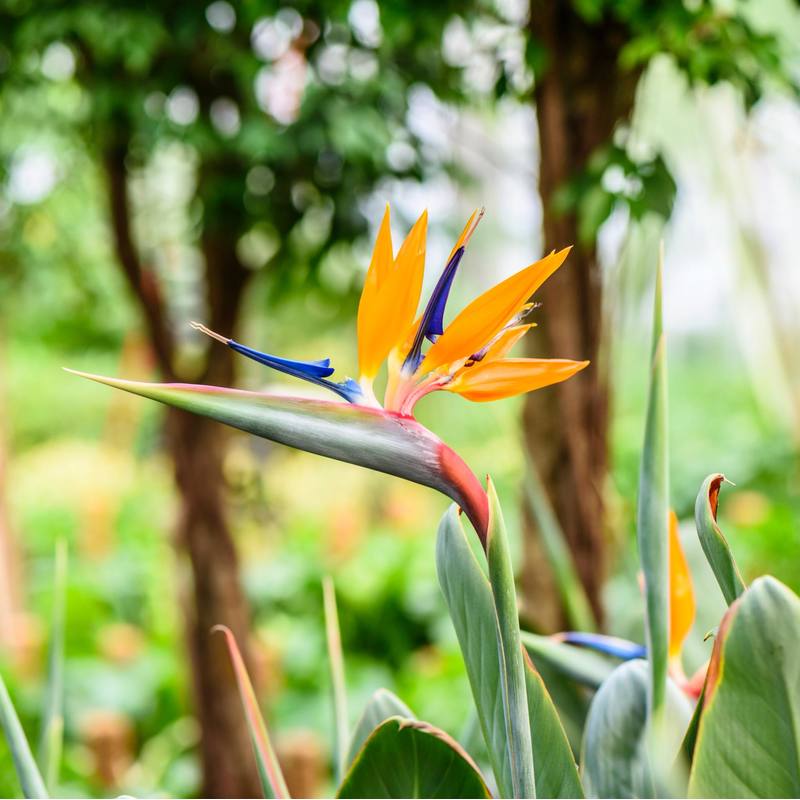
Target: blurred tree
(587, 57)
(286, 114)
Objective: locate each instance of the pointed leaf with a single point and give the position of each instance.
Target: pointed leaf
(406, 758)
(469, 598)
(512, 672)
(556, 771)
(372, 438)
(30, 779)
(713, 541)
(469, 601)
(269, 771)
(336, 667)
(615, 760)
(53, 717)
(653, 514)
(381, 706)
(748, 738)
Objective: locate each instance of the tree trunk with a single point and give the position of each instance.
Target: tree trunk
(195, 445)
(580, 96)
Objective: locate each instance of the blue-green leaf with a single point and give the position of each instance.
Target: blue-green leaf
(336, 669)
(407, 758)
(381, 706)
(653, 514)
(30, 779)
(713, 541)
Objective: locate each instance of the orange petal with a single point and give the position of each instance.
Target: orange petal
(681, 593)
(495, 380)
(380, 266)
(506, 340)
(386, 312)
(488, 314)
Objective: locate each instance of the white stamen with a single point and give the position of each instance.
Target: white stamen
(208, 332)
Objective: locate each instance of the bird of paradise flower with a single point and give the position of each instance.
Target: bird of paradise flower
(468, 357)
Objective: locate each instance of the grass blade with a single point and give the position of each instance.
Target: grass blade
(336, 665)
(53, 719)
(269, 771)
(653, 513)
(570, 589)
(30, 779)
(713, 541)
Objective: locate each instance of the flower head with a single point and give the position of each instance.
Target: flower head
(467, 357)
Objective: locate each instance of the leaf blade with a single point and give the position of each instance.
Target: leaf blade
(273, 783)
(407, 758)
(336, 668)
(30, 778)
(512, 671)
(748, 742)
(652, 522)
(50, 745)
(381, 706)
(713, 541)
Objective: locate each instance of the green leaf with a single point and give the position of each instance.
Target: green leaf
(407, 758)
(570, 589)
(336, 667)
(370, 437)
(713, 541)
(53, 718)
(269, 771)
(577, 663)
(381, 706)
(469, 599)
(748, 740)
(556, 771)
(30, 778)
(653, 514)
(509, 648)
(472, 608)
(615, 759)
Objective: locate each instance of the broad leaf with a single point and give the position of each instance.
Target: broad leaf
(370, 437)
(53, 718)
(336, 669)
(615, 758)
(713, 541)
(509, 646)
(652, 522)
(269, 771)
(407, 758)
(381, 706)
(470, 601)
(30, 779)
(748, 739)
(556, 771)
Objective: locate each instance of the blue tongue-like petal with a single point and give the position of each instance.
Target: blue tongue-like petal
(312, 371)
(441, 293)
(301, 369)
(431, 325)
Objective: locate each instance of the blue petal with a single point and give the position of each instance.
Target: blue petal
(313, 371)
(435, 323)
(611, 645)
(302, 369)
(431, 325)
